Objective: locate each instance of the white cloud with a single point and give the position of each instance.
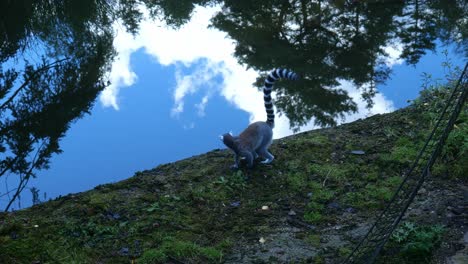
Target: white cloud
(201, 106)
(202, 78)
(121, 74)
(394, 51)
(210, 53)
(381, 105)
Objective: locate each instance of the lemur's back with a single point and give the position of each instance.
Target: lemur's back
(256, 135)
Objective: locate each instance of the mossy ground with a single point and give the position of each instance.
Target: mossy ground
(311, 205)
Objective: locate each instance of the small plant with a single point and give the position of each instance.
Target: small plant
(416, 243)
(154, 207)
(236, 181)
(35, 195)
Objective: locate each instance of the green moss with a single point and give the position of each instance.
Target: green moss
(211, 254)
(313, 239)
(344, 251)
(405, 150)
(153, 256)
(393, 182)
(100, 200)
(320, 139)
(373, 195)
(225, 244)
(323, 195)
(329, 170)
(313, 217)
(297, 181)
(32, 249)
(371, 176)
(379, 193)
(318, 259)
(10, 227)
(179, 249)
(315, 206)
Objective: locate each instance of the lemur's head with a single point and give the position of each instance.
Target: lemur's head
(228, 140)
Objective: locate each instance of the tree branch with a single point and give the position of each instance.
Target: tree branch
(8, 192)
(34, 75)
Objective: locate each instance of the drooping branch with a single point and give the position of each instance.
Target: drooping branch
(25, 179)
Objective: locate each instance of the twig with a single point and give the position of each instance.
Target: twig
(326, 177)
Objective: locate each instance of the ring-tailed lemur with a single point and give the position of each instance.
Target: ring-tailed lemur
(257, 137)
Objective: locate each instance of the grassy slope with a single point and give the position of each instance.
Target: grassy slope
(320, 198)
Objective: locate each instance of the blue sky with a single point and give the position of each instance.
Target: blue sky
(172, 94)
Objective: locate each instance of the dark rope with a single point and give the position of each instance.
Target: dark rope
(370, 246)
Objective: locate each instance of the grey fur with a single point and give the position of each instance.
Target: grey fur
(255, 140)
(251, 143)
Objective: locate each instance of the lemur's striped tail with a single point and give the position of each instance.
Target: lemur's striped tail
(272, 77)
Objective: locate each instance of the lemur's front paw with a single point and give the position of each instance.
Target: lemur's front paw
(234, 167)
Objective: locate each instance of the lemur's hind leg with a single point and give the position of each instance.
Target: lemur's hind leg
(267, 155)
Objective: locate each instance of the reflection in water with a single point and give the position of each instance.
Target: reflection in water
(341, 40)
(55, 57)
